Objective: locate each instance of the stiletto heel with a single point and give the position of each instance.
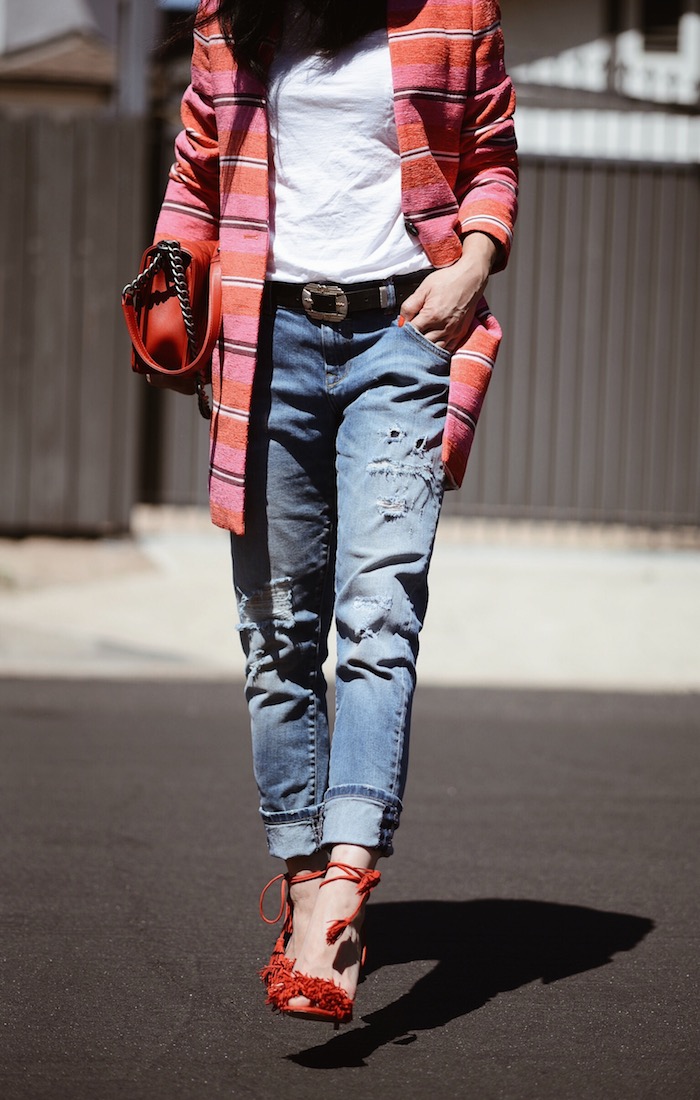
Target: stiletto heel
(328, 1002)
(279, 962)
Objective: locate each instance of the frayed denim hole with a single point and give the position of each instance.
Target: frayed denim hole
(395, 434)
(265, 612)
(271, 603)
(371, 613)
(393, 506)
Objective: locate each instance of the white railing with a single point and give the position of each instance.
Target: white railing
(610, 135)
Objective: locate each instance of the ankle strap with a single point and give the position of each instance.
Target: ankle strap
(286, 881)
(365, 881)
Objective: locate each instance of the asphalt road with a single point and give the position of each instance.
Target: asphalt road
(535, 936)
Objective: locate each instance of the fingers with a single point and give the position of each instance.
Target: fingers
(442, 309)
(418, 310)
(428, 310)
(445, 331)
(413, 304)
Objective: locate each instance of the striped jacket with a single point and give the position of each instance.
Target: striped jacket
(453, 105)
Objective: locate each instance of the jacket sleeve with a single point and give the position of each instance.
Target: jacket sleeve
(487, 183)
(190, 209)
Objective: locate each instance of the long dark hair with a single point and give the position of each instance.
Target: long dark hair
(332, 24)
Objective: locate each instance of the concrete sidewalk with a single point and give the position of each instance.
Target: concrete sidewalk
(517, 605)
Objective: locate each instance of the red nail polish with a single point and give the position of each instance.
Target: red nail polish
(401, 321)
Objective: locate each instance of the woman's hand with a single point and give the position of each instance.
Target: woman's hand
(443, 306)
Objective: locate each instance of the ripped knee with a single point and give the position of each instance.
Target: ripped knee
(266, 623)
(369, 615)
(271, 605)
(415, 477)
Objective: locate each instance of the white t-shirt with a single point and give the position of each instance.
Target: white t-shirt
(335, 172)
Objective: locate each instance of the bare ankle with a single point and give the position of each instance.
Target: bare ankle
(354, 855)
(299, 865)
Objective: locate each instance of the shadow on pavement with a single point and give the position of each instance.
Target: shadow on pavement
(482, 948)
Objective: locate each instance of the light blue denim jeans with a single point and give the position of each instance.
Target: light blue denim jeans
(344, 493)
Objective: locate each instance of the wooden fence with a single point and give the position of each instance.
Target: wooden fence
(71, 224)
(593, 411)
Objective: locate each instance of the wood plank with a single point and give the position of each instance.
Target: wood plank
(127, 391)
(185, 452)
(97, 250)
(51, 376)
(14, 325)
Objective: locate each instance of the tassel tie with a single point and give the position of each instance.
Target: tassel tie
(365, 881)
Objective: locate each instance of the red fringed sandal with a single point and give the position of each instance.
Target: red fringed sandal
(329, 1002)
(279, 963)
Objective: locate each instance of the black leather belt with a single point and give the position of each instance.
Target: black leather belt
(332, 302)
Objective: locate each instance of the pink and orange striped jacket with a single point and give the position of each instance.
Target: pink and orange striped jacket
(453, 104)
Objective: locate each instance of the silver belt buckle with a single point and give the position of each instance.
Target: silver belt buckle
(325, 290)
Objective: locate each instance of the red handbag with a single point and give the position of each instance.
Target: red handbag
(173, 313)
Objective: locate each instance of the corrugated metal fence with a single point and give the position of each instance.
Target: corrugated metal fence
(71, 222)
(594, 408)
(593, 411)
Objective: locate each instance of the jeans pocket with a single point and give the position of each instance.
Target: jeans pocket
(442, 354)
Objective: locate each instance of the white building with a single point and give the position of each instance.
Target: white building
(613, 79)
(53, 55)
(68, 56)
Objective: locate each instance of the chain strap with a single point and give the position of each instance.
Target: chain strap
(132, 290)
(178, 271)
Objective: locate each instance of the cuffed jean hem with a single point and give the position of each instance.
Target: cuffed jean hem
(360, 815)
(293, 833)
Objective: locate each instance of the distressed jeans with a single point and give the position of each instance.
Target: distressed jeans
(344, 492)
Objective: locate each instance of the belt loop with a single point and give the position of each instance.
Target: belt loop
(390, 295)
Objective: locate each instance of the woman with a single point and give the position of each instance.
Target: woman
(357, 163)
